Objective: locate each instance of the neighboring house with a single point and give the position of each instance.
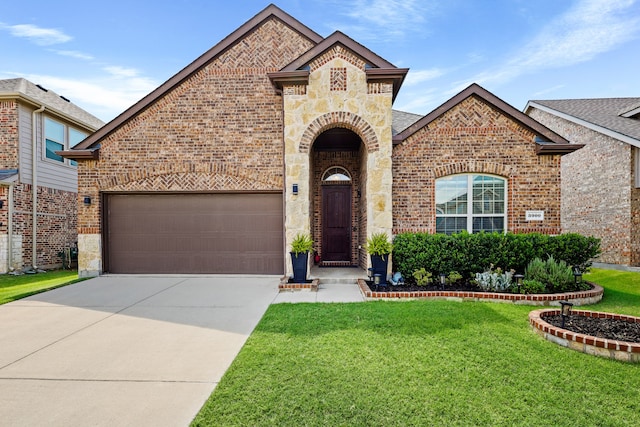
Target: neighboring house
(600, 183)
(36, 226)
(277, 131)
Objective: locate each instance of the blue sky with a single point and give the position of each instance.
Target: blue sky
(105, 56)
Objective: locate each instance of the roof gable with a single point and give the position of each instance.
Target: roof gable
(202, 61)
(376, 68)
(548, 141)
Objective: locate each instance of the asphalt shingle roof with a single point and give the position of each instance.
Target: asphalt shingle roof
(602, 112)
(49, 99)
(400, 120)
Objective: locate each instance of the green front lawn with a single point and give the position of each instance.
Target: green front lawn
(423, 363)
(16, 287)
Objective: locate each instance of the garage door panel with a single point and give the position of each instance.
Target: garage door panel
(195, 233)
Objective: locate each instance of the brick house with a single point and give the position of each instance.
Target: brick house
(601, 182)
(276, 131)
(32, 116)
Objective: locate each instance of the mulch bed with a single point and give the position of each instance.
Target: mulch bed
(462, 286)
(611, 329)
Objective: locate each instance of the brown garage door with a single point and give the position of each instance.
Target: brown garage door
(194, 233)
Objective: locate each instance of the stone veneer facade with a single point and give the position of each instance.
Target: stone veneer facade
(354, 104)
(599, 197)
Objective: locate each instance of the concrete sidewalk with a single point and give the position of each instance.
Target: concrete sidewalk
(124, 351)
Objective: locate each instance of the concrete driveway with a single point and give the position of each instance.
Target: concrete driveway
(124, 350)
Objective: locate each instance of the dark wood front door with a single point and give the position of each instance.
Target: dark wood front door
(336, 223)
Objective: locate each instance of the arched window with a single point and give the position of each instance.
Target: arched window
(471, 202)
(336, 174)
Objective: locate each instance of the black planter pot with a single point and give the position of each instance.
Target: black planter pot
(379, 264)
(299, 263)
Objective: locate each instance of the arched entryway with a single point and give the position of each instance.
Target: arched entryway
(339, 216)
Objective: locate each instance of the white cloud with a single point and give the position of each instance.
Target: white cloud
(73, 54)
(383, 18)
(589, 28)
(103, 96)
(117, 71)
(420, 76)
(38, 35)
(548, 90)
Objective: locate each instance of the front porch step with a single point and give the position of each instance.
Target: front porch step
(338, 275)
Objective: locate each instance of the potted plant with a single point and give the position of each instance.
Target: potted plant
(379, 248)
(300, 248)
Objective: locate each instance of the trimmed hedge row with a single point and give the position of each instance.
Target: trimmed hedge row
(474, 253)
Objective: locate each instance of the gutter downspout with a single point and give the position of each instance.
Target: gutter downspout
(9, 186)
(10, 228)
(34, 184)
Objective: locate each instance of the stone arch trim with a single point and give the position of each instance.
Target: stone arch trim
(341, 119)
(473, 167)
(185, 177)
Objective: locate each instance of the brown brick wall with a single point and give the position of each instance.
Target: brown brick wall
(56, 227)
(9, 135)
(598, 198)
(221, 129)
(474, 137)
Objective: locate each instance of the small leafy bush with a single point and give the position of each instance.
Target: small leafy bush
(532, 287)
(302, 243)
(379, 244)
(495, 280)
(556, 276)
(422, 276)
(454, 277)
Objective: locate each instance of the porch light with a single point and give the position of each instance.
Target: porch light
(566, 310)
(87, 200)
(519, 278)
(443, 280)
(577, 274)
(295, 189)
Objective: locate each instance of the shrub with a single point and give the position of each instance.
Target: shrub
(494, 281)
(470, 253)
(556, 276)
(532, 287)
(422, 277)
(302, 243)
(379, 244)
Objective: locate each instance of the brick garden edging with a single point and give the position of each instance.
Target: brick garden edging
(591, 296)
(285, 286)
(612, 349)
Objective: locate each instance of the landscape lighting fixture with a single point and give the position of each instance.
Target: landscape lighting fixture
(518, 278)
(443, 280)
(566, 310)
(577, 274)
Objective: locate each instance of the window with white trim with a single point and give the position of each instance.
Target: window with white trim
(471, 202)
(60, 137)
(336, 174)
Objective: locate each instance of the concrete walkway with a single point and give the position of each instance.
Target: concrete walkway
(130, 350)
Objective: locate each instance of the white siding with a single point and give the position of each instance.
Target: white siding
(50, 174)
